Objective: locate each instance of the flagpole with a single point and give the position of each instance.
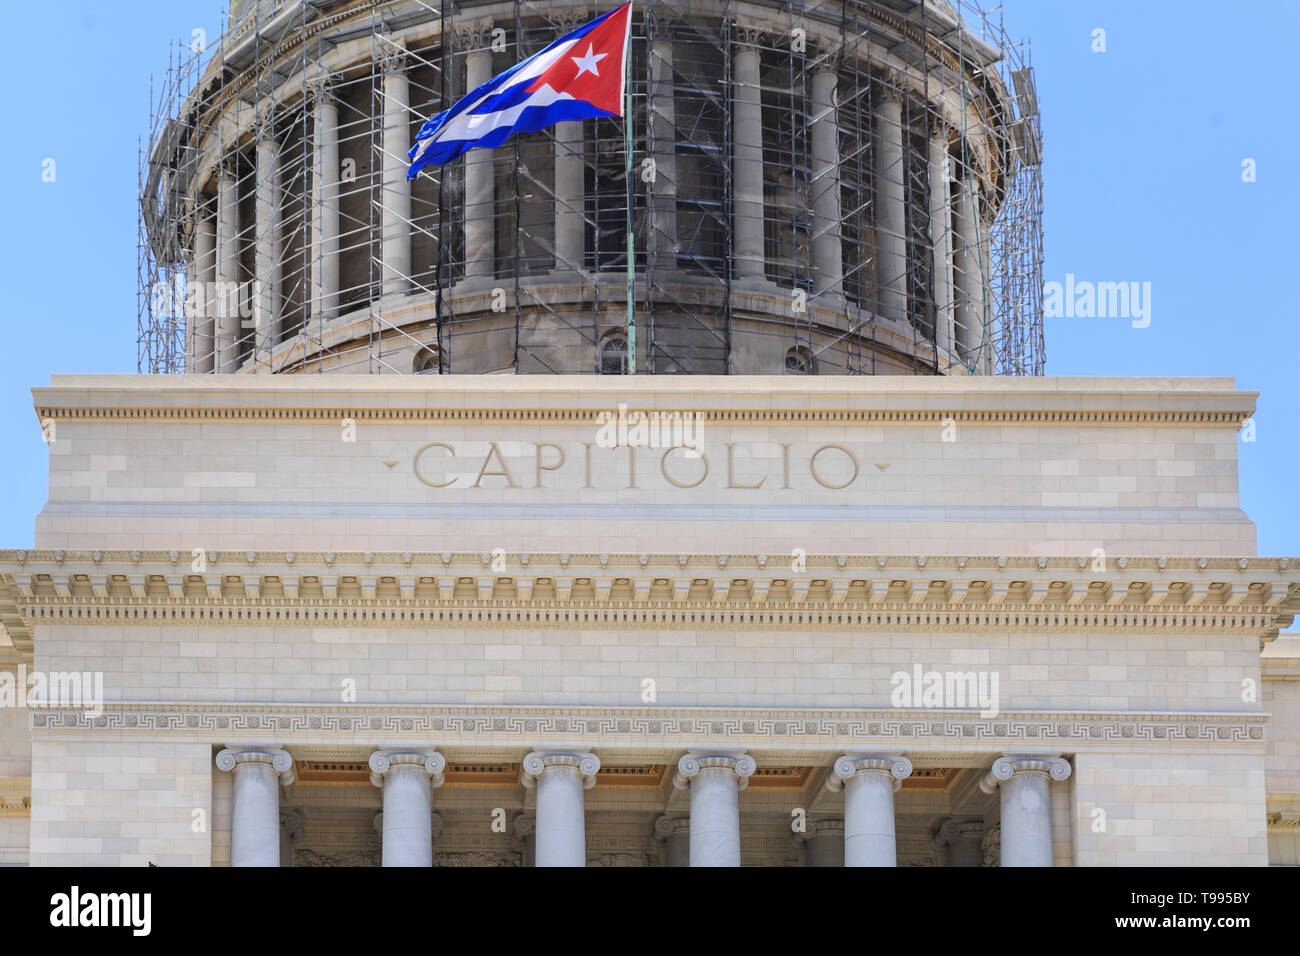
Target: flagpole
(631, 239)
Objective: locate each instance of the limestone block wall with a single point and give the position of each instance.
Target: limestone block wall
(120, 802)
(1171, 809)
(947, 466)
(1281, 699)
(1069, 670)
(15, 777)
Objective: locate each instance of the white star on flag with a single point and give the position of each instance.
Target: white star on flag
(587, 63)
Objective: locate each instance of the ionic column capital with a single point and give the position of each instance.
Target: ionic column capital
(524, 826)
(666, 827)
(892, 85)
(382, 762)
(539, 761)
(291, 823)
(693, 764)
(320, 86)
(828, 60)
(264, 128)
(950, 831)
(278, 760)
(1008, 765)
(849, 766)
(818, 828)
(391, 54)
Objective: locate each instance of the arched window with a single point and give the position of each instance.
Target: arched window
(426, 362)
(613, 354)
(799, 361)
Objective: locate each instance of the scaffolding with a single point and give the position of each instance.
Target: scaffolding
(231, 188)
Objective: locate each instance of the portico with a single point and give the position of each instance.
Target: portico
(431, 662)
(843, 815)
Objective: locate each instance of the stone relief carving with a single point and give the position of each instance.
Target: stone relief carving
(993, 845)
(477, 859)
(621, 859)
(305, 857)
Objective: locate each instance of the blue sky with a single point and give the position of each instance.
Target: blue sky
(1144, 151)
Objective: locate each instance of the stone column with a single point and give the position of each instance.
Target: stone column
(202, 298)
(570, 197)
(480, 205)
(228, 292)
(1026, 822)
(290, 833)
(960, 842)
(325, 203)
(560, 777)
(941, 235)
(255, 815)
(715, 781)
(525, 832)
(891, 212)
(674, 833)
(662, 119)
(747, 236)
(824, 841)
(266, 284)
(395, 196)
(869, 782)
(828, 250)
(407, 778)
(971, 270)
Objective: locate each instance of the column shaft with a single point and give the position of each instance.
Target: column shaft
(407, 778)
(715, 781)
(480, 208)
(825, 842)
(570, 196)
(201, 309)
(266, 292)
(828, 250)
(747, 232)
(891, 213)
(971, 271)
(228, 292)
(1025, 798)
(255, 811)
(662, 240)
(325, 208)
(561, 822)
(560, 778)
(396, 194)
(1026, 821)
(941, 238)
(869, 821)
(869, 782)
(715, 819)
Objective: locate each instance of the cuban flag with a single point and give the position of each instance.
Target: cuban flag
(579, 76)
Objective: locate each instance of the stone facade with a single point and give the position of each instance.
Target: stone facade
(294, 590)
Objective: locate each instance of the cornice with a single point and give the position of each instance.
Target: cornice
(822, 731)
(715, 416)
(700, 591)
